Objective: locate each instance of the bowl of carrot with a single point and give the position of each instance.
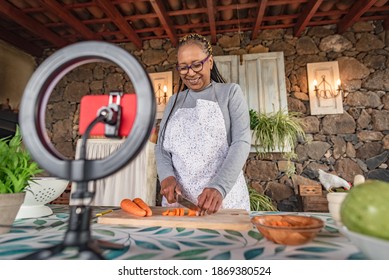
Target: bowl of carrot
(288, 229)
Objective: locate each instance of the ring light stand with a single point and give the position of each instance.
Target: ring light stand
(36, 140)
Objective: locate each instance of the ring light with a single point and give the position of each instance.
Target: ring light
(36, 96)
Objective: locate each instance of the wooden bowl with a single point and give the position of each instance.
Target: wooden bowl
(288, 229)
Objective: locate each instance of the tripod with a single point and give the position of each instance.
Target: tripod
(82, 171)
(78, 236)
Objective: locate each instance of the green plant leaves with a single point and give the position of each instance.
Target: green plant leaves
(17, 167)
(275, 130)
(260, 202)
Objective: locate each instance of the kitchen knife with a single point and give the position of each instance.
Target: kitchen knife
(187, 203)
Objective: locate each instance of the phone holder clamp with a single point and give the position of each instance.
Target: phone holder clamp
(113, 114)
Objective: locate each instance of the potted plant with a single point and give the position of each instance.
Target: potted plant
(275, 132)
(16, 170)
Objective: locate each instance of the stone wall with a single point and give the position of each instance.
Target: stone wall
(355, 142)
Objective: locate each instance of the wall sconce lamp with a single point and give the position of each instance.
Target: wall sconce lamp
(161, 94)
(324, 89)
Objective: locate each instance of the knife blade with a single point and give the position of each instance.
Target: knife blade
(187, 203)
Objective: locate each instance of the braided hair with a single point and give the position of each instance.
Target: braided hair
(205, 45)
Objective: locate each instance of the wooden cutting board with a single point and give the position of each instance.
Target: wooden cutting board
(233, 219)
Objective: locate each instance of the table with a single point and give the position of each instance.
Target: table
(33, 234)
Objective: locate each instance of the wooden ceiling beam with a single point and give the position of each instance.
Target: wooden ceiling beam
(20, 43)
(261, 13)
(58, 10)
(14, 14)
(211, 20)
(357, 10)
(110, 10)
(165, 20)
(285, 2)
(306, 16)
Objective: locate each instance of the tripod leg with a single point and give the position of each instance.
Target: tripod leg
(77, 236)
(90, 252)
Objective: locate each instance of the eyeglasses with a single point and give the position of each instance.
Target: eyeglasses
(196, 66)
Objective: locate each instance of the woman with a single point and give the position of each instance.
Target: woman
(204, 136)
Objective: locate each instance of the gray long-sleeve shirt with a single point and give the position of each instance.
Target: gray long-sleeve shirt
(235, 111)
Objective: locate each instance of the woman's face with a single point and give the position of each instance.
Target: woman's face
(193, 56)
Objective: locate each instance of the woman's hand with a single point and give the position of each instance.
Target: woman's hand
(169, 188)
(210, 201)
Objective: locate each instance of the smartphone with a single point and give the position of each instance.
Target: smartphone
(91, 104)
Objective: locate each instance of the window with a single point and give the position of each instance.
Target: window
(261, 77)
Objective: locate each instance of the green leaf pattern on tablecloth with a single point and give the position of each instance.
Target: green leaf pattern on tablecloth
(305, 257)
(117, 254)
(164, 231)
(255, 234)
(104, 232)
(279, 249)
(205, 236)
(223, 256)
(232, 238)
(170, 244)
(189, 243)
(191, 253)
(216, 243)
(39, 222)
(234, 232)
(147, 245)
(253, 253)
(148, 229)
(185, 233)
(316, 249)
(30, 235)
(212, 231)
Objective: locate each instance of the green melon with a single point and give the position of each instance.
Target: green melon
(366, 209)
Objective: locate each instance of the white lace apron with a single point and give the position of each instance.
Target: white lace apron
(197, 139)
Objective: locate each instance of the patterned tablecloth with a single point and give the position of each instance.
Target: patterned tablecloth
(31, 235)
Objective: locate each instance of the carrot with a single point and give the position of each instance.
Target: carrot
(279, 223)
(178, 212)
(143, 205)
(192, 213)
(131, 207)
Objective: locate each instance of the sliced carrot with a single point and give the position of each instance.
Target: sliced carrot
(143, 205)
(131, 207)
(179, 212)
(192, 213)
(279, 223)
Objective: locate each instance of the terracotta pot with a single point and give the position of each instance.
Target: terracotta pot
(9, 207)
